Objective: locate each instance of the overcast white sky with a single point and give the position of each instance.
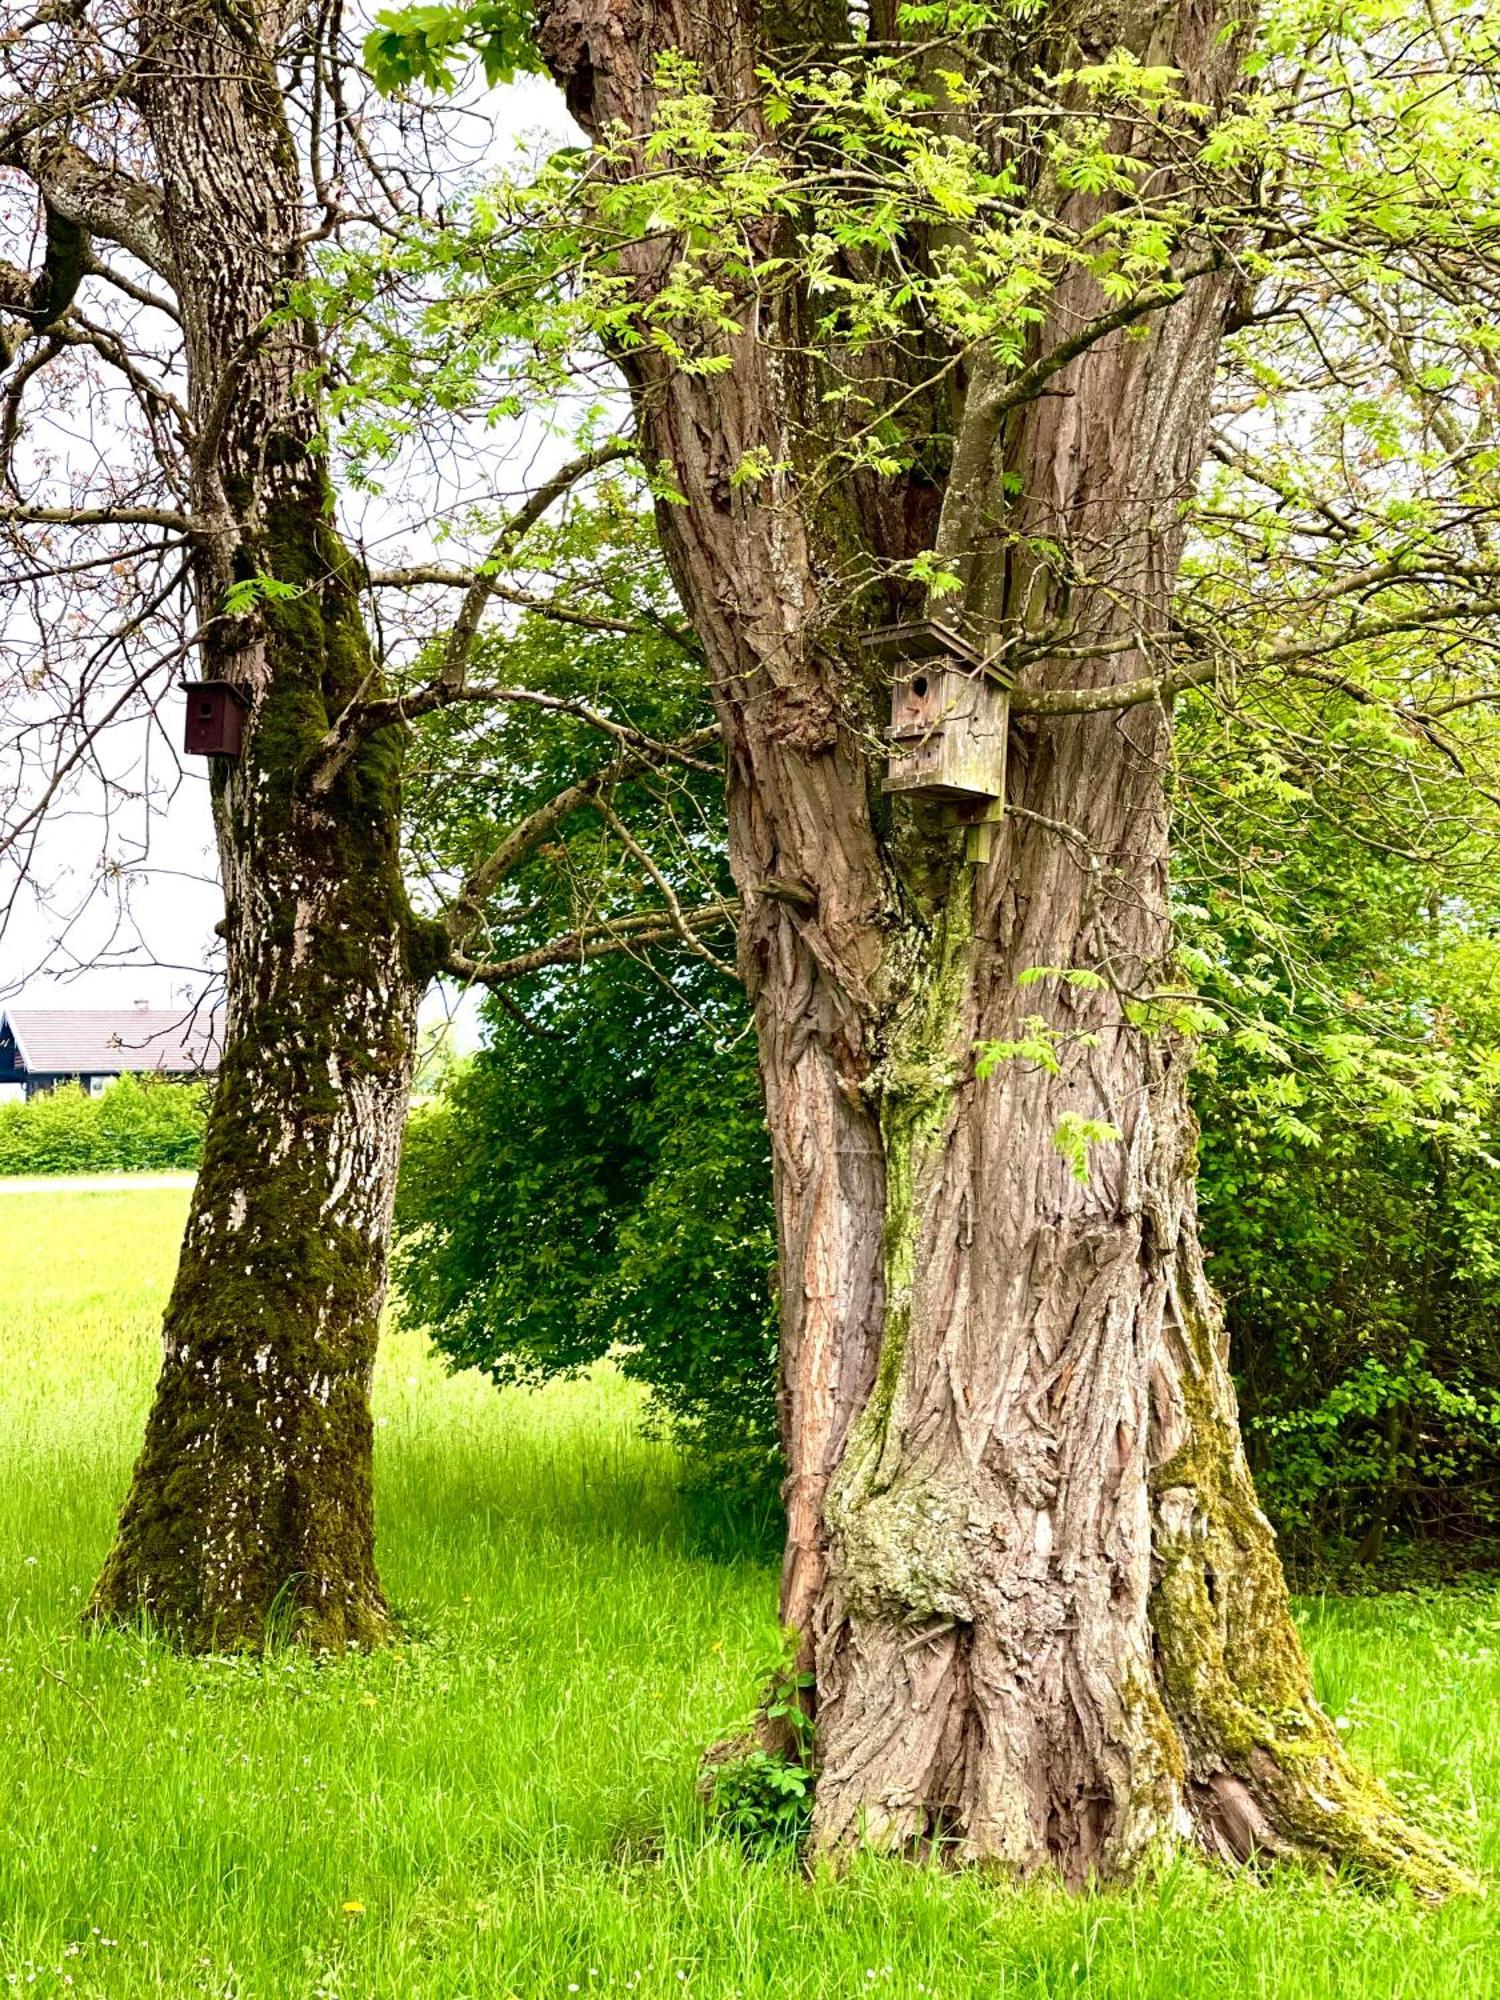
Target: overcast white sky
(172, 897)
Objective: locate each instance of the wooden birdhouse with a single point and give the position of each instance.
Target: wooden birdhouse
(215, 719)
(950, 710)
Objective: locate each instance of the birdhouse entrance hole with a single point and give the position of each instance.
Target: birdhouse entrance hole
(950, 712)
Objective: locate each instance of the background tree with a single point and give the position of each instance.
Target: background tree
(187, 158)
(596, 1179)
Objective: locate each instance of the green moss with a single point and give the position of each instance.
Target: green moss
(251, 1509)
(903, 1530)
(1233, 1673)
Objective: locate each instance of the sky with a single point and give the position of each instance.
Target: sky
(150, 896)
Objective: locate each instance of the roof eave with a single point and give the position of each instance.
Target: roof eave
(15, 1035)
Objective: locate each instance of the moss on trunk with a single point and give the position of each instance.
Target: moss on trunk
(250, 1513)
(1265, 1769)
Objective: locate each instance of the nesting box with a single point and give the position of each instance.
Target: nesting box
(950, 710)
(215, 719)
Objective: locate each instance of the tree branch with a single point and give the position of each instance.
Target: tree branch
(447, 578)
(99, 517)
(322, 771)
(477, 596)
(361, 718)
(104, 201)
(1291, 659)
(466, 912)
(617, 934)
(669, 896)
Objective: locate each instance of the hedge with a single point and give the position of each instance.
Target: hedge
(136, 1126)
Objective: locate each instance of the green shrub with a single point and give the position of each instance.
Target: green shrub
(598, 1181)
(139, 1125)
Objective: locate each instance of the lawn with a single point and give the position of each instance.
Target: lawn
(504, 1804)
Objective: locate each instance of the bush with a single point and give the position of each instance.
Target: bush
(138, 1126)
(1363, 1294)
(598, 1181)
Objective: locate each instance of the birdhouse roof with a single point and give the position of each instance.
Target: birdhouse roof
(217, 687)
(899, 647)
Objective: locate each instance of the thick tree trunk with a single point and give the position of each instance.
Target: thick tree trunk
(1044, 1614)
(250, 1513)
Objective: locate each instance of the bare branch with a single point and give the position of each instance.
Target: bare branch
(638, 853)
(466, 625)
(467, 909)
(627, 933)
(99, 517)
(103, 200)
(360, 718)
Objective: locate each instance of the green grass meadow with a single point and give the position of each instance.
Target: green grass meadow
(504, 1804)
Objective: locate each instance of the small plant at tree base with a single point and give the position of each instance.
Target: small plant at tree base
(762, 1797)
(763, 1800)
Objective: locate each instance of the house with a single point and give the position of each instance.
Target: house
(41, 1047)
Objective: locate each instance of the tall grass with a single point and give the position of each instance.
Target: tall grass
(504, 1804)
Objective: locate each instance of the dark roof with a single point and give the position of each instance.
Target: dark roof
(103, 1041)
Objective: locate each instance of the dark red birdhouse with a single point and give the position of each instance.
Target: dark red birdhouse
(215, 719)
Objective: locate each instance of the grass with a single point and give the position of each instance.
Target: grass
(504, 1805)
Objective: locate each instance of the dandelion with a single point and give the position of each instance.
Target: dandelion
(354, 1909)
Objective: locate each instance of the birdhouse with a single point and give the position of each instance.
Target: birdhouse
(215, 719)
(950, 710)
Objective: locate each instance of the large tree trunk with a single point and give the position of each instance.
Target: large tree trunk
(250, 1512)
(1045, 1616)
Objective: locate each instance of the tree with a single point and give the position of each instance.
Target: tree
(596, 1180)
(195, 141)
(931, 300)
(1349, 1111)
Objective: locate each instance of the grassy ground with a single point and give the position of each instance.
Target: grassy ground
(505, 1805)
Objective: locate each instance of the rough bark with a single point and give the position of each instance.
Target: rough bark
(1044, 1614)
(250, 1512)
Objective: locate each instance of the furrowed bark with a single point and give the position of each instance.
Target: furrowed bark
(250, 1513)
(1044, 1614)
